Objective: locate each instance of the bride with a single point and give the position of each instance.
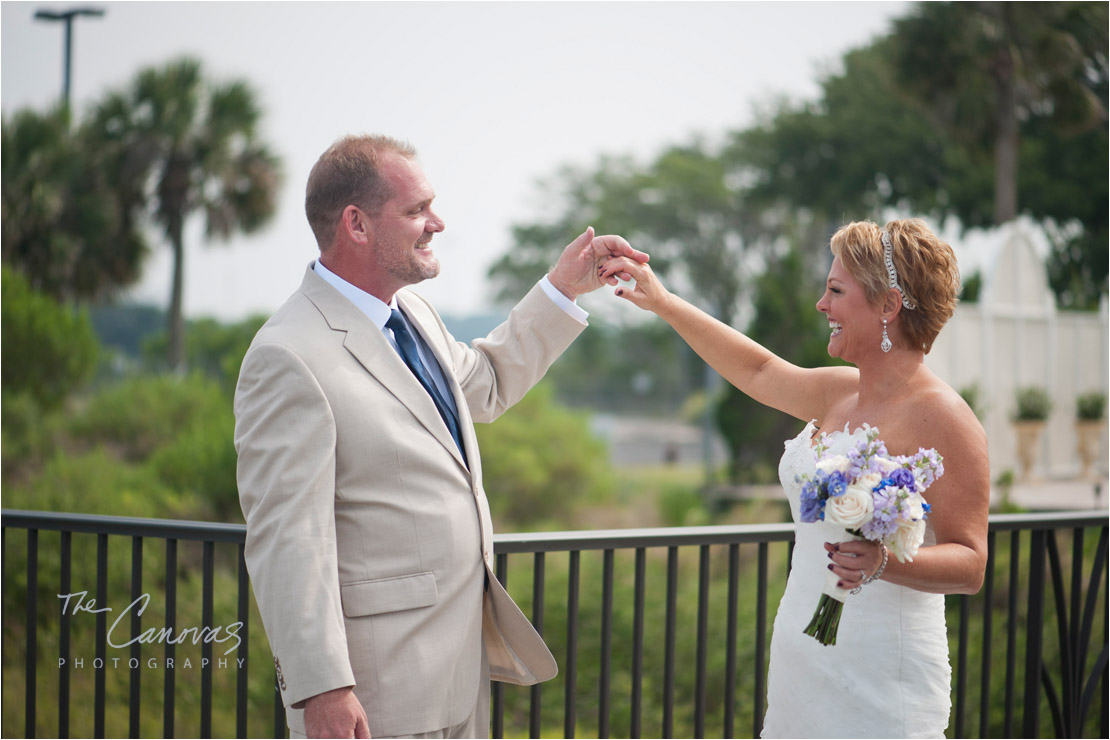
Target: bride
(888, 293)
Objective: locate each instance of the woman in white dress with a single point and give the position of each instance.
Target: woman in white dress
(888, 293)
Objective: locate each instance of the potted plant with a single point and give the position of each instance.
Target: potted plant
(1090, 410)
(1033, 407)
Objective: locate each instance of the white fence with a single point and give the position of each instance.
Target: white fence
(1015, 337)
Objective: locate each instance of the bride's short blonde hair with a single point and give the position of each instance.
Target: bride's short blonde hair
(926, 266)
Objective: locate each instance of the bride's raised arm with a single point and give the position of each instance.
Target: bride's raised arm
(804, 393)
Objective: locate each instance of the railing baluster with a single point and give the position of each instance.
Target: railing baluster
(669, 642)
(538, 568)
(207, 567)
(170, 647)
(32, 632)
(988, 615)
(1011, 633)
(760, 640)
(136, 630)
(1035, 635)
(961, 664)
(101, 633)
(730, 638)
(243, 653)
(1061, 719)
(702, 641)
(279, 710)
(571, 668)
(606, 642)
(638, 643)
(64, 629)
(497, 691)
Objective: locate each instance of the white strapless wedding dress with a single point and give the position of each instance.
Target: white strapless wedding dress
(888, 674)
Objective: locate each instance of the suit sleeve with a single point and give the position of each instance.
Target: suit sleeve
(285, 436)
(496, 372)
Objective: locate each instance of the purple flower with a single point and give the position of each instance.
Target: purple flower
(903, 478)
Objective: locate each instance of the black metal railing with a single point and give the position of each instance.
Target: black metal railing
(658, 632)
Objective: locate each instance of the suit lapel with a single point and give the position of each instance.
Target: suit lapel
(368, 345)
(421, 318)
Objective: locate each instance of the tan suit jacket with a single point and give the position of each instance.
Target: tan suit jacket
(369, 542)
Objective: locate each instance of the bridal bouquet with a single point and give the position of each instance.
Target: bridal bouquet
(874, 496)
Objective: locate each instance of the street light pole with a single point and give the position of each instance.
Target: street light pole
(67, 17)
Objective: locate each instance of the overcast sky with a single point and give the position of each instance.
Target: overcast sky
(495, 96)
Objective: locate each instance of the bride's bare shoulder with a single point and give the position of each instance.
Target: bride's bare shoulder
(940, 412)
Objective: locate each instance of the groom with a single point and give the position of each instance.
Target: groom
(369, 542)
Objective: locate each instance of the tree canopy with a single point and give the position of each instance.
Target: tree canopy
(184, 146)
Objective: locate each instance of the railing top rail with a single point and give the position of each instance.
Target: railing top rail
(513, 542)
(171, 529)
(601, 539)
(1050, 520)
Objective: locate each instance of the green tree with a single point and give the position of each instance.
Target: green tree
(540, 459)
(982, 68)
(188, 147)
(786, 323)
(682, 208)
(64, 227)
(48, 349)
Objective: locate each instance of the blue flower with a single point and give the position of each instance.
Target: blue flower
(812, 510)
(811, 502)
(837, 483)
(903, 478)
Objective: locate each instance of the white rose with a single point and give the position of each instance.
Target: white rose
(834, 464)
(915, 506)
(886, 465)
(906, 539)
(869, 481)
(852, 509)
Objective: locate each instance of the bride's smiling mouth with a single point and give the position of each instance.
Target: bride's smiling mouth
(835, 328)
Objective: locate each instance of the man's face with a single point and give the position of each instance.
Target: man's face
(401, 233)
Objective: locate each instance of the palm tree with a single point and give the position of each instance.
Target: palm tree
(61, 220)
(185, 147)
(983, 68)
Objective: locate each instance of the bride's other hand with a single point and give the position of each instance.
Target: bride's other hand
(648, 293)
(854, 562)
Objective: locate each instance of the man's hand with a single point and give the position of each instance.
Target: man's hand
(335, 713)
(578, 270)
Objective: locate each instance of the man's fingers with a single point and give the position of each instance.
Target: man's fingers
(619, 246)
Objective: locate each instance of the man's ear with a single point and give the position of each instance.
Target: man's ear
(355, 225)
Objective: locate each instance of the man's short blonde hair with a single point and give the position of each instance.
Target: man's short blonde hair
(349, 173)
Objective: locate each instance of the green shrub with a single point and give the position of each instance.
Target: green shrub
(1033, 404)
(1090, 406)
(95, 482)
(142, 414)
(539, 460)
(48, 349)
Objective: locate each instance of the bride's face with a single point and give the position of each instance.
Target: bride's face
(855, 326)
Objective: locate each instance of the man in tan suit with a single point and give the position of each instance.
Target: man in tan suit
(369, 542)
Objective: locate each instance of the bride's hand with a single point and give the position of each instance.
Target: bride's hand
(854, 562)
(648, 293)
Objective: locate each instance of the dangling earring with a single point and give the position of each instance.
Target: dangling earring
(886, 345)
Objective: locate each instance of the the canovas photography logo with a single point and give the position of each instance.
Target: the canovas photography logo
(78, 603)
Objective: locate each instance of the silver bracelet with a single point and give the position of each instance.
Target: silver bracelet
(878, 574)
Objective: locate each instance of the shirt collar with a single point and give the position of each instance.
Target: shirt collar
(374, 308)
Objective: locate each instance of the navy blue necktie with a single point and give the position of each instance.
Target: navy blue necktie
(407, 344)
